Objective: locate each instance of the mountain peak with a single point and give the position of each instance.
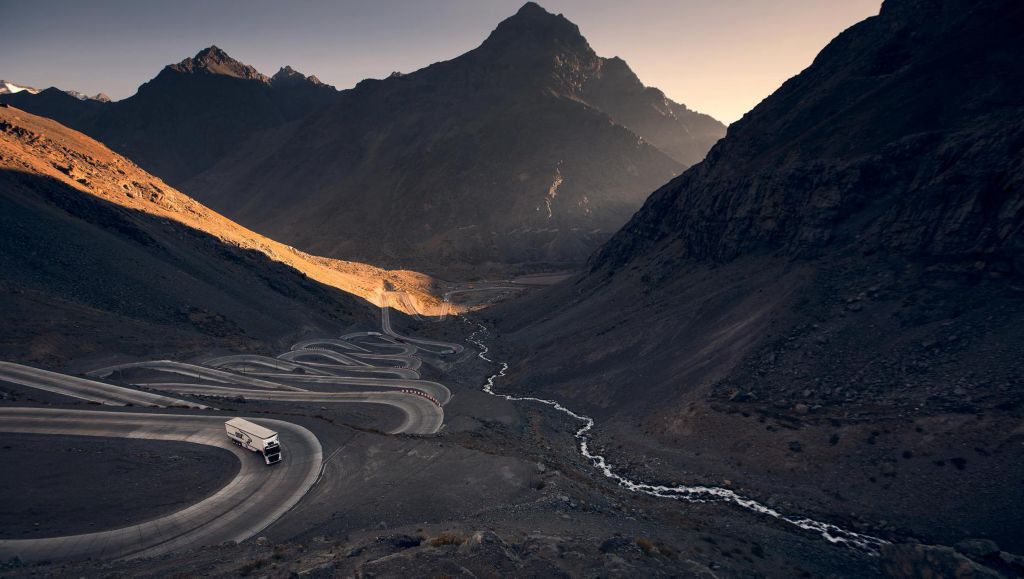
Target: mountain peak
(288, 76)
(214, 60)
(212, 53)
(533, 25)
(7, 87)
(532, 9)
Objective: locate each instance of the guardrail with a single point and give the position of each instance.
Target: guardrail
(421, 393)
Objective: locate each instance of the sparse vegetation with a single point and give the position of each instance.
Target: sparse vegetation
(654, 548)
(251, 566)
(447, 538)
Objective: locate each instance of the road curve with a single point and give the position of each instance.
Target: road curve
(253, 500)
(385, 312)
(423, 414)
(193, 371)
(241, 363)
(319, 342)
(385, 341)
(437, 391)
(83, 389)
(401, 361)
(268, 367)
(333, 356)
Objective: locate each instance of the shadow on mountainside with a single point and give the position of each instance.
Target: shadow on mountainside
(82, 276)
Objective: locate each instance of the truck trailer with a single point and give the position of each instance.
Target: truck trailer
(255, 438)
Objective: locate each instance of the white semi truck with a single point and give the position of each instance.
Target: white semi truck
(255, 438)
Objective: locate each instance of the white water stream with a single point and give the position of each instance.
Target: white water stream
(696, 494)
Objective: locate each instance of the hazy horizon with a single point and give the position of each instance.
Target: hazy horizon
(720, 58)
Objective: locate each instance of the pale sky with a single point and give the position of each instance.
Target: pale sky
(720, 57)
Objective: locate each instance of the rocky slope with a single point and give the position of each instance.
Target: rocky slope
(827, 310)
(100, 255)
(528, 148)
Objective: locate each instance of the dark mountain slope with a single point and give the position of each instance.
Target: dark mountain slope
(828, 310)
(100, 257)
(198, 111)
(899, 138)
(58, 105)
(500, 155)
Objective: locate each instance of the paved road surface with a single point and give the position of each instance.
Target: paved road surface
(85, 389)
(193, 371)
(267, 367)
(244, 363)
(443, 347)
(336, 357)
(257, 496)
(422, 415)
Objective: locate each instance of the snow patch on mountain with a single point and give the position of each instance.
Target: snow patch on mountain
(7, 87)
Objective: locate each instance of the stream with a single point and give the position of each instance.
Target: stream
(693, 494)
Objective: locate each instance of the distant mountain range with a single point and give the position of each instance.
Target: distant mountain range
(9, 88)
(529, 148)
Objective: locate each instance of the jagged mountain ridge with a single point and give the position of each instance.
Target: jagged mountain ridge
(191, 114)
(8, 87)
(524, 149)
(198, 111)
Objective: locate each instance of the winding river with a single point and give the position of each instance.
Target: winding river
(695, 494)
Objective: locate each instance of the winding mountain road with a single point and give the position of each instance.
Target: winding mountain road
(385, 311)
(87, 390)
(423, 414)
(254, 499)
(192, 371)
(258, 495)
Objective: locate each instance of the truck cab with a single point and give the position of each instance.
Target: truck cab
(272, 452)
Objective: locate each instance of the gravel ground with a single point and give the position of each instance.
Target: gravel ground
(61, 485)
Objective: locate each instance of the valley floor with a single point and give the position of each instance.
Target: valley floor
(501, 489)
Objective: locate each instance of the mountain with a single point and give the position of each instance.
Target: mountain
(192, 114)
(102, 257)
(827, 310)
(198, 111)
(59, 105)
(494, 156)
(7, 87)
(529, 148)
(84, 97)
